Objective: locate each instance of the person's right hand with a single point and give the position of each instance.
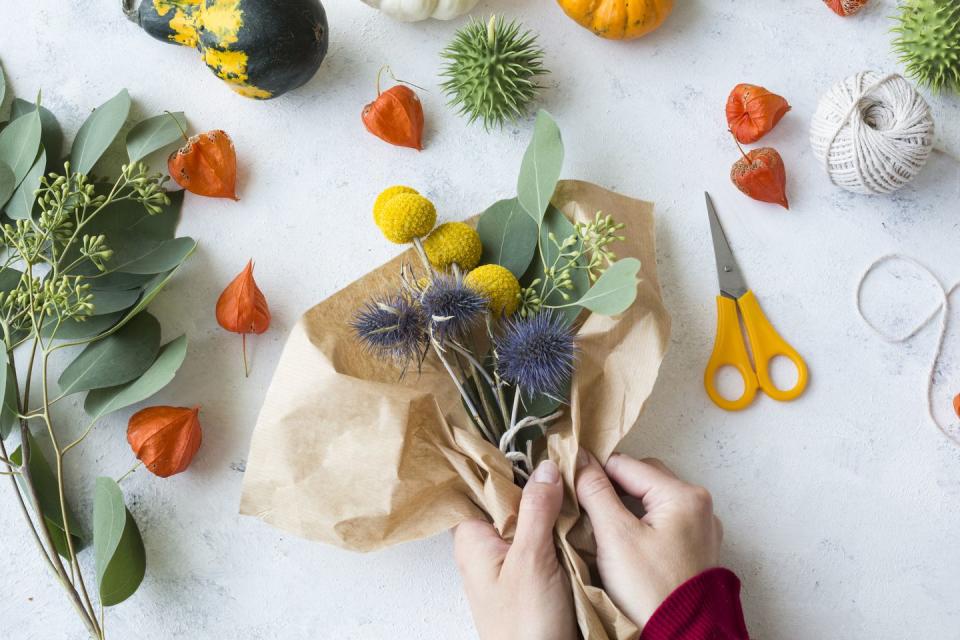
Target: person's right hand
(643, 560)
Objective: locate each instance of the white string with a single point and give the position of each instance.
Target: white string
(941, 312)
(872, 133)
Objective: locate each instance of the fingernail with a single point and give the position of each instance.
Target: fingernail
(547, 472)
(583, 458)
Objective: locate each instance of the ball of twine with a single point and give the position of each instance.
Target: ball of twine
(872, 132)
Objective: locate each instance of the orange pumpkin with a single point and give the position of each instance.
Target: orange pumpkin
(618, 19)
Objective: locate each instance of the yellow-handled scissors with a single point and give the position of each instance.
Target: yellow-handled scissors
(729, 348)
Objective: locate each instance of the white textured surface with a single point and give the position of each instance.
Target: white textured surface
(841, 509)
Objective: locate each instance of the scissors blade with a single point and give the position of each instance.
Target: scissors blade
(731, 279)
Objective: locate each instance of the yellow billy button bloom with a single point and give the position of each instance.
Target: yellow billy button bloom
(497, 285)
(453, 243)
(406, 216)
(385, 197)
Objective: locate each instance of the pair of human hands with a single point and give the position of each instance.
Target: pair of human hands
(518, 591)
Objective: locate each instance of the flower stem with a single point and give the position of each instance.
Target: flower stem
(418, 245)
(129, 471)
(246, 366)
(463, 393)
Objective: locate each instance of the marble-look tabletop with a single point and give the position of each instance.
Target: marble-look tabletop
(841, 509)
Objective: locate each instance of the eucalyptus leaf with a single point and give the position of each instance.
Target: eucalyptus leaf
(19, 143)
(554, 222)
(6, 425)
(131, 231)
(9, 279)
(119, 556)
(615, 290)
(8, 412)
(74, 329)
(8, 182)
(150, 291)
(20, 205)
(98, 132)
(48, 495)
(110, 300)
(119, 280)
(164, 257)
(541, 405)
(154, 134)
(51, 135)
(100, 402)
(3, 86)
(508, 235)
(541, 167)
(119, 358)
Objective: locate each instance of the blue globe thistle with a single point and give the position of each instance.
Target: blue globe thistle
(393, 328)
(452, 307)
(536, 353)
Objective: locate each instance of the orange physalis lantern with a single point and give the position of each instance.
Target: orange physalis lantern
(165, 439)
(242, 308)
(753, 111)
(206, 165)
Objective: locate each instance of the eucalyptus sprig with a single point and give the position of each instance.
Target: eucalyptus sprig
(82, 258)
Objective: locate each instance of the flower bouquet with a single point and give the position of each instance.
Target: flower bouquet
(426, 392)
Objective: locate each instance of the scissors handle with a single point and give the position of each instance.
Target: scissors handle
(730, 351)
(767, 344)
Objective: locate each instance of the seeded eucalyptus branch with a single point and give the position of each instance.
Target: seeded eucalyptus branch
(80, 259)
(587, 249)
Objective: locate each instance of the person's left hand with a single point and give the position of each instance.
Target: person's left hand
(517, 591)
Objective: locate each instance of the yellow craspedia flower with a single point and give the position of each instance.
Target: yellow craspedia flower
(498, 285)
(453, 242)
(385, 196)
(406, 216)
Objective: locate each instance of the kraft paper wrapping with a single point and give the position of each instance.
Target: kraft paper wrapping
(347, 453)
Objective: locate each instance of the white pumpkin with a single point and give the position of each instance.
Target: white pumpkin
(417, 10)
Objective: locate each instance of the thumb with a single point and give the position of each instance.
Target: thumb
(539, 509)
(596, 493)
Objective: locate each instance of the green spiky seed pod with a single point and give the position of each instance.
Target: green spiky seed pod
(928, 41)
(492, 71)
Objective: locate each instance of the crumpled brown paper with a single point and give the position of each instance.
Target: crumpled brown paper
(345, 453)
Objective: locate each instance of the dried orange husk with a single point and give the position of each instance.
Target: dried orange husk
(206, 165)
(242, 308)
(762, 175)
(396, 116)
(165, 438)
(845, 7)
(753, 111)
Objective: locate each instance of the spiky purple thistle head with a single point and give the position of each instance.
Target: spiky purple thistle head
(393, 328)
(452, 308)
(537, 353)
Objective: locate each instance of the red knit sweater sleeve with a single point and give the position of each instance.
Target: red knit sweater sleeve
(705, 607)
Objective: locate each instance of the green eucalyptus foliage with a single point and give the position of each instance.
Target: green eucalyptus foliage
(508, 236)
(492, 70)
(541, 166)
(84, 254)
(120, 558)
(44, 481)
(928, 42)
(562, 265)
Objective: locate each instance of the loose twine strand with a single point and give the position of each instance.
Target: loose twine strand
(872, 133)
(941, 312)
